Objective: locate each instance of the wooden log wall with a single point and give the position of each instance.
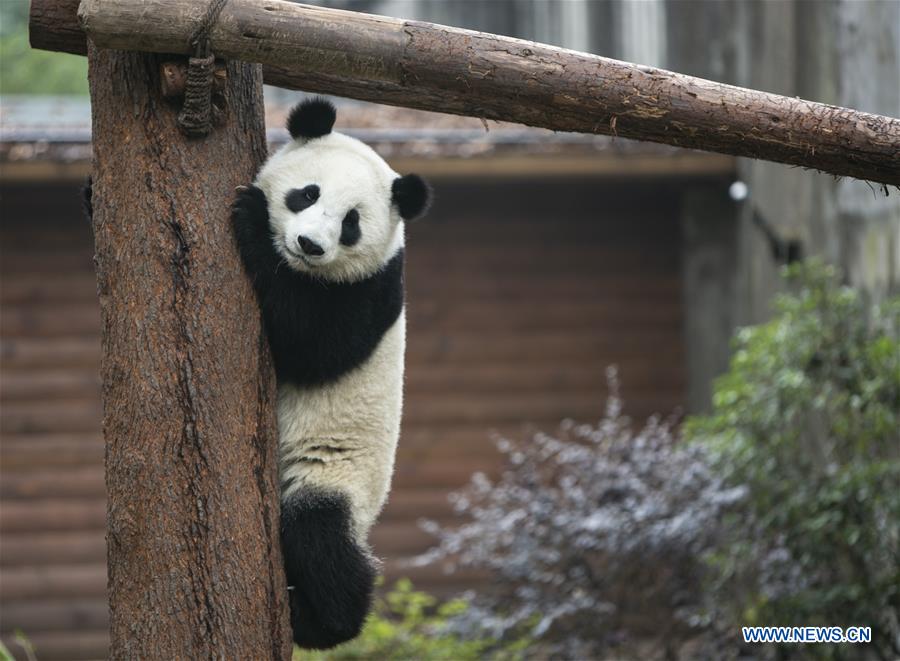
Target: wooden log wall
(519, 296)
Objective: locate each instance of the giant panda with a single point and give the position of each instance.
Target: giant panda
(321, 235)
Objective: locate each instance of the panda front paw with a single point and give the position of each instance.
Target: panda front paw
(250, 208)
(87, 199)
(331, 578)
(250, 223)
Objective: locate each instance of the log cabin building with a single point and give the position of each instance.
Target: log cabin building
(544, 260)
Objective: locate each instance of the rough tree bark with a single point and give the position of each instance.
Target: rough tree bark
(435, 67)
(188, 391)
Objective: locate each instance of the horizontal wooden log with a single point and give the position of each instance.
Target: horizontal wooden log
(56, 615)
(524, 377)
(438, 68)
(29, 417)
(64, 645)
(517, 407)
(432, 575)
(413, 504)
(399, 539)
(22, 453)
(602, 346)
(52, 548)
(53, 582)
(70, 320)
(46, 514)
(81, 482)
(48, 288)
(33, 352)
(53, 25)
(49, 384)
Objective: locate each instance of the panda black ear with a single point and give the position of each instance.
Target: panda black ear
(312, 118)
(412, 195)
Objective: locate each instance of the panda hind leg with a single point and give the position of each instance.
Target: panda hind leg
(331, 578)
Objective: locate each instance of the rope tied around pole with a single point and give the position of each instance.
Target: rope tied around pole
(195, 118)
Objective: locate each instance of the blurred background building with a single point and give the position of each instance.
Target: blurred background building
(547, 257)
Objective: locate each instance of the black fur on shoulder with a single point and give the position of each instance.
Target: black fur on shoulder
(312, 118)
(318, 330)
(412, 195)
(331, 577)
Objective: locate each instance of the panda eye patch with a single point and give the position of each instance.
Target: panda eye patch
(350, 231)
(298, 199)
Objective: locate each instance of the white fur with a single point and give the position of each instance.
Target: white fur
(342, 436)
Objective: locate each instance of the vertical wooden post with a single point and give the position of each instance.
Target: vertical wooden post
(188, 392)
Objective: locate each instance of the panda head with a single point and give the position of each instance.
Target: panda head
(336, 208)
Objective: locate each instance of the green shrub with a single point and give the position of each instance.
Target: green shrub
(594, 536)
(407, 624)
(24, 70)
(808, 418)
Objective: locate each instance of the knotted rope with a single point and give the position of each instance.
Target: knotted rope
(195, 117)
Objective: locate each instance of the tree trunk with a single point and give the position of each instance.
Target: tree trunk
(188, 390)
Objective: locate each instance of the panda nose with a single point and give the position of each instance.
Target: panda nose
(310, 247)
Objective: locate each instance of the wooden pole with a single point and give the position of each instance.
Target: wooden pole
(188, 390)
(433, 67)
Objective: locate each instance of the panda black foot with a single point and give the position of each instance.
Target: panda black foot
(331, 576)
